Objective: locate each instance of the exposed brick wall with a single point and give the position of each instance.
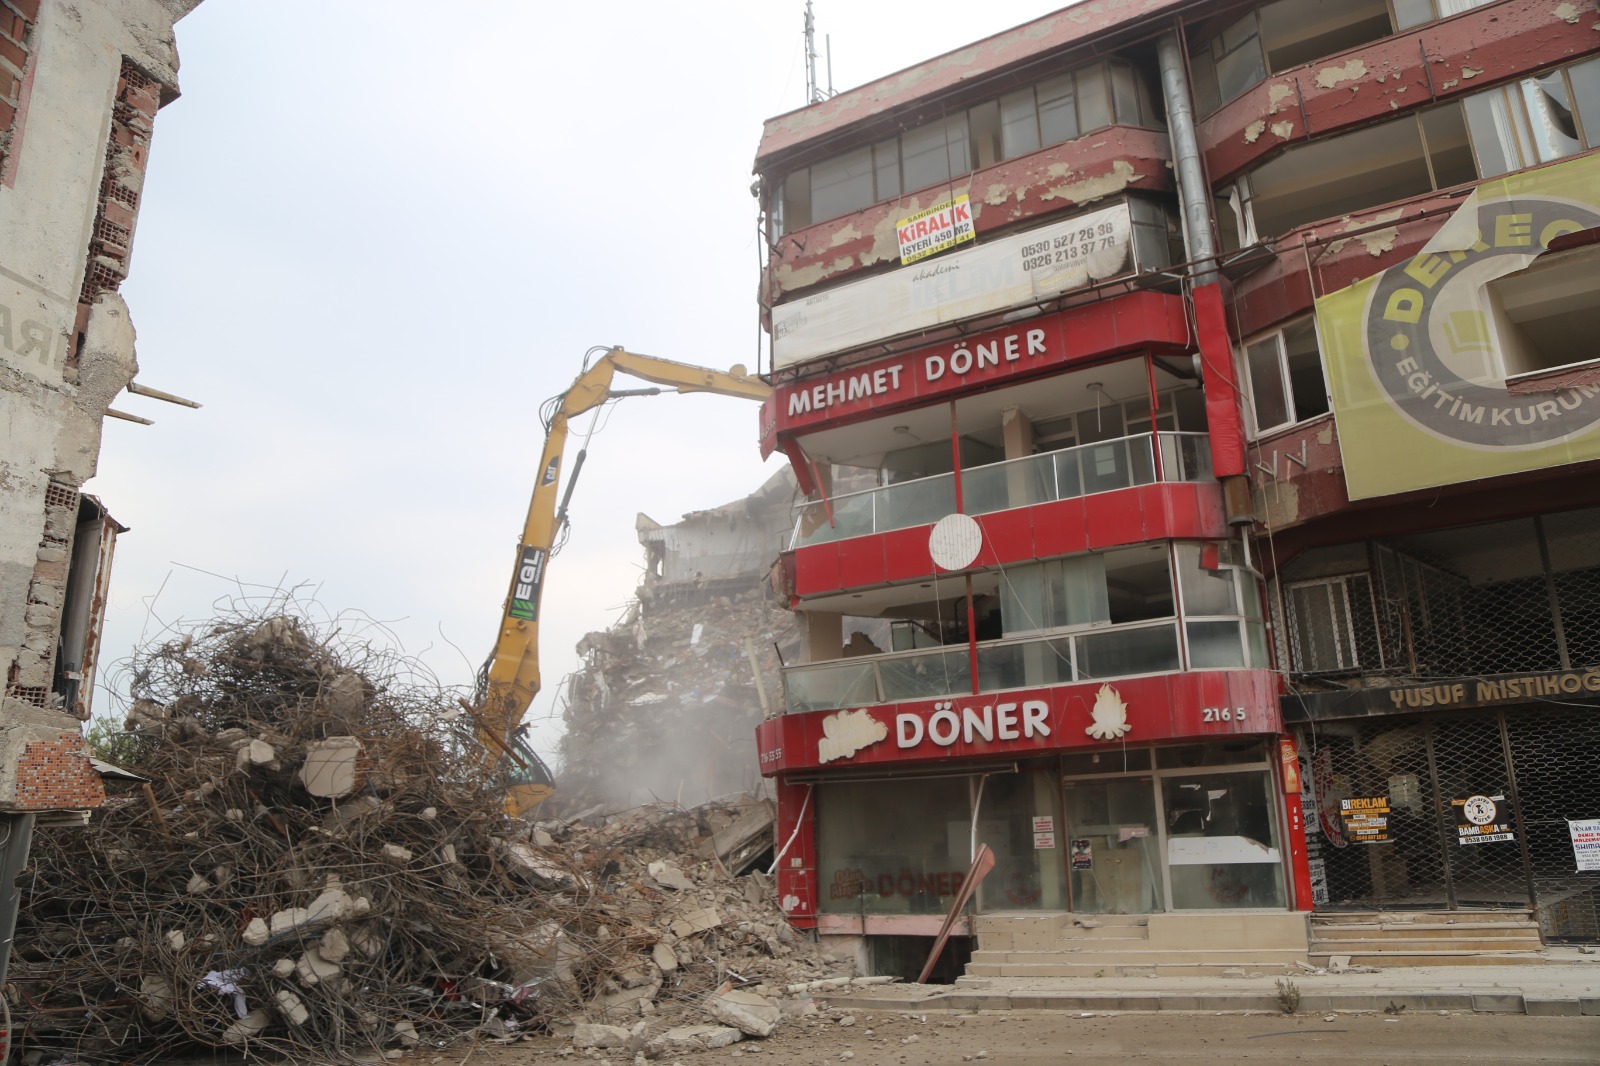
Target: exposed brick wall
(127, 151)
(16, 20)
(32, 674)
(56, 775)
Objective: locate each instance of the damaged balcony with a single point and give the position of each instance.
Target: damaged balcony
(1131, 611)
(1050, 467)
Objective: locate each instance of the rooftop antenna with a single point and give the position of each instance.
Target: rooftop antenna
(813, 95)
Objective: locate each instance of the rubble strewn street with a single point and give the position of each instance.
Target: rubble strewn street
(315, 864)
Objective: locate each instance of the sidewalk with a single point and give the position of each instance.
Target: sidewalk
(1568, 984)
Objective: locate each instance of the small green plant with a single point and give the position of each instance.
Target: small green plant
(1288, 996)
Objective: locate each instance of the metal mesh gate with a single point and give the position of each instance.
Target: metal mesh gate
(1539, 760)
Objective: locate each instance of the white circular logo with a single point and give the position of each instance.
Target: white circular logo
(1479, 810)
(955, 542)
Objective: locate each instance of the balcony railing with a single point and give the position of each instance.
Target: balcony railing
(1026, 662)
(1083, 470)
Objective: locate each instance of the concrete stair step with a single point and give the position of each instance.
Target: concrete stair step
(1423, 945)
(1457, 917)
(1157, 969)
(1435, 958)
(1130, 956)
(1409, 930)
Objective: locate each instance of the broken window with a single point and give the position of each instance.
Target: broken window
(1536, 120)
(1279, 36)
(1546, 316)
(1506, 128)
(1322, 617)
(1408, 156)
(1284, 370)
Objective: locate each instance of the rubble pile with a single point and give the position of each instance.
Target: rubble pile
(668, 701)
(317, 865)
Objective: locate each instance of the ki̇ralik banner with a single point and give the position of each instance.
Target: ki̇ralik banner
(1418, 355)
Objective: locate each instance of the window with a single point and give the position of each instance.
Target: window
(1285, 375)
(1546, 316)
(1049, 112)
(1071, 105)
(1323, 619)
(1506, 128)
(1537, 119)
(1102, 588)
(1408, 13)
(1277, 37)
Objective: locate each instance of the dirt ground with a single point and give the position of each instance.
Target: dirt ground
(1018, 1038)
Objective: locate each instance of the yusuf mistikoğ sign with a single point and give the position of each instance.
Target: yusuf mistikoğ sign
(1418, 354)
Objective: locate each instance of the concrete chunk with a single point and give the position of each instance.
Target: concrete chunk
(251, 1025)
(692, 918)
(664, 957)
(588, 1034)
(291, 1007)
(334, 767)
(747, 1012)
(313, 968)
(668, 875)
(687, 1038)
(255, 933)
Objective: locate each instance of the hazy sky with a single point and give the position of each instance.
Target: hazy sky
(375, 236)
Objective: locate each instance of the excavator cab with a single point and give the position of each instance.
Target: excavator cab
(528, 780)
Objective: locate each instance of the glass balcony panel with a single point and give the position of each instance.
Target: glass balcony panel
(1069, 473)
(1017, 483)
(1122, 652)
(829, 686)
(1025, 664)
(914, 503)
(1215, 645)
(1103, 466)
(941, 672)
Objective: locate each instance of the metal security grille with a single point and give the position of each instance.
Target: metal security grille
(1505, 597)
(1540, 760)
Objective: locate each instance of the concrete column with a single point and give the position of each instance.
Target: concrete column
(824, 635)
(1017, 434)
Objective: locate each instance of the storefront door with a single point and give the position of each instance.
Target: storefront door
(1112, 841)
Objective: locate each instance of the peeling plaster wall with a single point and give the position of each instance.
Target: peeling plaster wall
(93, 76)
(1054, 179)
(1465, 54)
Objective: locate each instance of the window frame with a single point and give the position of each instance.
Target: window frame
(1285, 380)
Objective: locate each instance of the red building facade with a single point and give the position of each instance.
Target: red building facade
(1080, 339)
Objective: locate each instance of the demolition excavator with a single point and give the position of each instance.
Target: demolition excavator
(509, 680)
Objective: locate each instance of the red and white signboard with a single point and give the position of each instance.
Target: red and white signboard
(1021, 269)
(1162, 707)
(937, 229)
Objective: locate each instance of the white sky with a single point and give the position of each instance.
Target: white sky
(376, 236)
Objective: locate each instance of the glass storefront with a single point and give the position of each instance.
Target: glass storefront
(1129, 831)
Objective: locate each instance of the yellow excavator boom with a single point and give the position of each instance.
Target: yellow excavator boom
(510, 678)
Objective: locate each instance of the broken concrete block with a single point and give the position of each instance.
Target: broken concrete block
(197, 885)
(334, 767)
(255, 753)
(543, 838)
(396, 854)
(523, 859)
(313, 968)
(406, 1033)
(291, 1007)
(689, 1038)
(334, 945)
(664, 957)
(667, 875)
(690, 918)
(283, 968)
(251, 1025)
(344, 696)
(175, 939)
(448, 854)
(747, 1012)
(589, 1034)
(429, 813)
(255, 933)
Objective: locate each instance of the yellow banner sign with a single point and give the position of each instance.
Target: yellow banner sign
(1418, 356)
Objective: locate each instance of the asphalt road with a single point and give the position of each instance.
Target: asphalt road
(1016, 1038)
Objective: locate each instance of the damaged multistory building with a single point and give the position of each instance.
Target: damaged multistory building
(667, 700)
(1223, 368)
(80, 85)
